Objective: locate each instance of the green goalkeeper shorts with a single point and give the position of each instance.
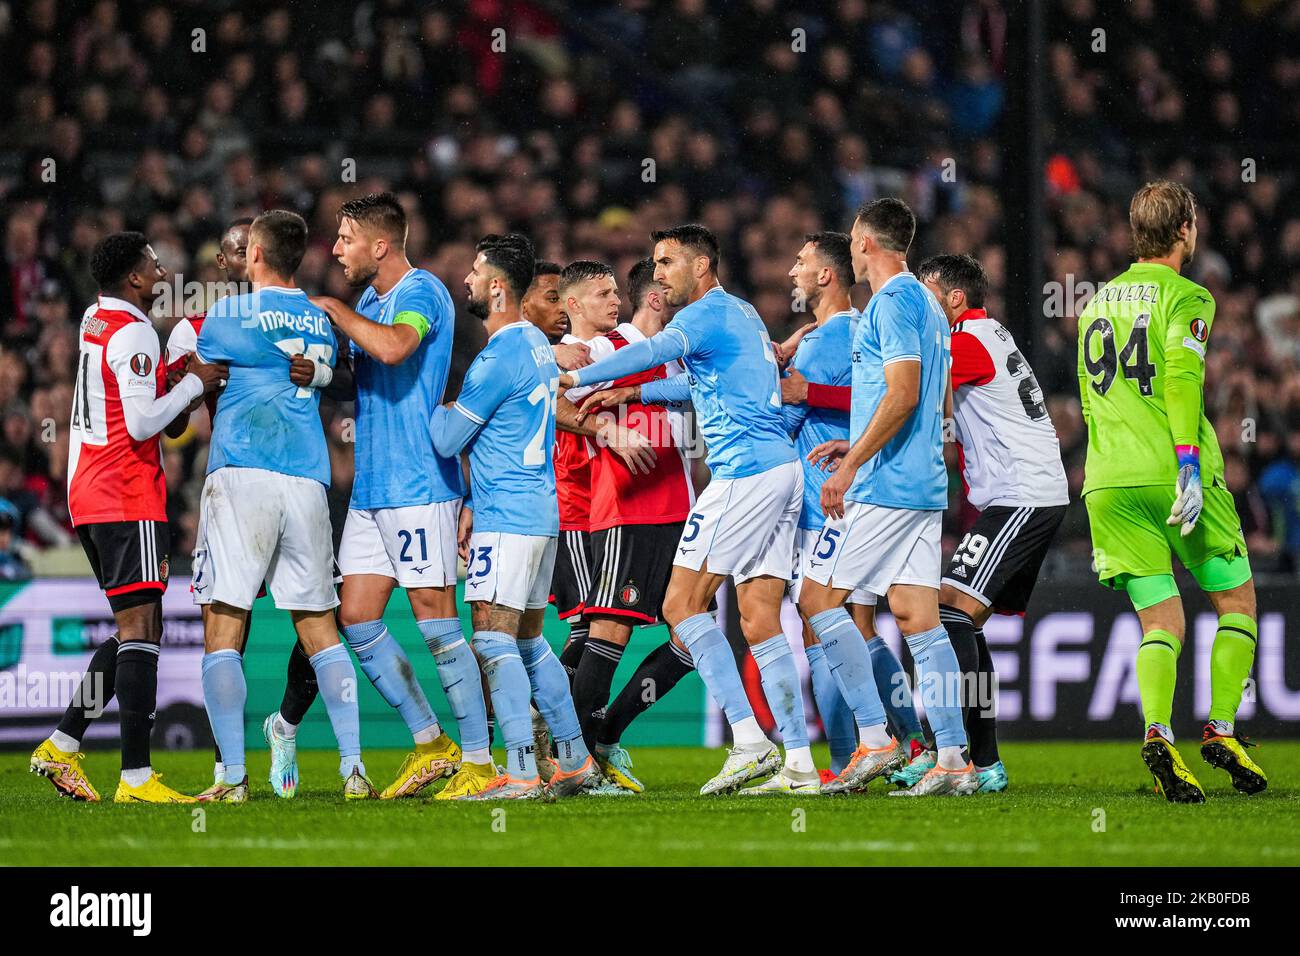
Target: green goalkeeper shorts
(1131, 536)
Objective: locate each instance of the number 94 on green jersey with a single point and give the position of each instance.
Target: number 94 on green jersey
(1147, 325)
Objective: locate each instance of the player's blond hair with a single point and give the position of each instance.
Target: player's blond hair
(1157, 213)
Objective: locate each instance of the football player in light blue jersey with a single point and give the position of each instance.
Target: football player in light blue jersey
(744, 523)
(505, 417)
(884, 508)
(264, 514)
(822, 276)
(406, 498)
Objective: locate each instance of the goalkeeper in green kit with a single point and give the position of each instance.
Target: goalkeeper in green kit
(1154, 484)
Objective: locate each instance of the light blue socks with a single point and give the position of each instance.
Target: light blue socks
(384, 662)
(458, 671)
(224, 695)
(837, 716)
(550, 684)
(850, 662)
(510, 688)
(782, 689)
(938, 681)
(337, 681)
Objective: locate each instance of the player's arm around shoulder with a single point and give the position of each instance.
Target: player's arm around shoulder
(387, 344)
(332, 377)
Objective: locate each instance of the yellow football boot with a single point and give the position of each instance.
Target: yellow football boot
(1172, 777)
(432, 761)
(616, 765)
(152, 790)
(1229, 753)
(470, 779)
(358, 787)
(222, 792)
(63, 769)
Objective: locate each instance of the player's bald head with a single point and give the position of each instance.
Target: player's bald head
(236, 234)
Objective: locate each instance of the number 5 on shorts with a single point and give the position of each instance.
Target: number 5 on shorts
(827, 543)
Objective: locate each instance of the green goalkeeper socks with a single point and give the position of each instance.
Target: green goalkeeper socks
(1157, 672)
(1230, 662)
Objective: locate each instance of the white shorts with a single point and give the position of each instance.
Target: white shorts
(875, 548)
(257, 525)
(510, 569)
(745, 527)
(804, 553)
(416, 544)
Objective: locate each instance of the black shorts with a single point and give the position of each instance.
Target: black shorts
(998, 560)
(571, 579)
(633, 564)
(129, 559)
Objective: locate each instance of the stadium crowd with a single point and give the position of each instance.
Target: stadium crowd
(588, 124)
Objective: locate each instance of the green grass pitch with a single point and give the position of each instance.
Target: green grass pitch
(1070, 804)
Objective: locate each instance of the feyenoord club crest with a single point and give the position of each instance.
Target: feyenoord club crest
(164, 569)
(629, 595)
(141, 364)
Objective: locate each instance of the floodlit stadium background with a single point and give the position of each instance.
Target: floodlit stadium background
(588, 124)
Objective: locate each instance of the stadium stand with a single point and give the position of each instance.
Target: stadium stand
(110, 121)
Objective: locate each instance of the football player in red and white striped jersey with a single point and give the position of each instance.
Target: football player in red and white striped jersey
(1011, 466)
(636, 520)
(117, 499)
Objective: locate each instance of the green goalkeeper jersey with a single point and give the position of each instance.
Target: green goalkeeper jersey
(1142, 343)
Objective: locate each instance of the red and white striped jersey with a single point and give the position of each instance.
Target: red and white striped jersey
(111, 476)
(573, 456)
(184, 340)
(1006, 441)
(666, 494)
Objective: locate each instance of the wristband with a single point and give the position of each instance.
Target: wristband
(321, 375)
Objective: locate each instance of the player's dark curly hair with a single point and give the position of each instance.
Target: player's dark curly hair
(513, 255)
(282, 234)
(115, 257)
(580, 270)
(957, 272)
(640, 279)
(834, 249)
(382, 211)
(545, 267)
(698, 239)
(890, 221)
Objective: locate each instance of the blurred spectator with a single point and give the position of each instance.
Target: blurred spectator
(597, 122)
(12, 565)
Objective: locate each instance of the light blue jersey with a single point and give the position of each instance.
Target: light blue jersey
(506, 409)
(264, 420)
(733, 376)
(822, 357)
(902, 321)
(396, 466)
